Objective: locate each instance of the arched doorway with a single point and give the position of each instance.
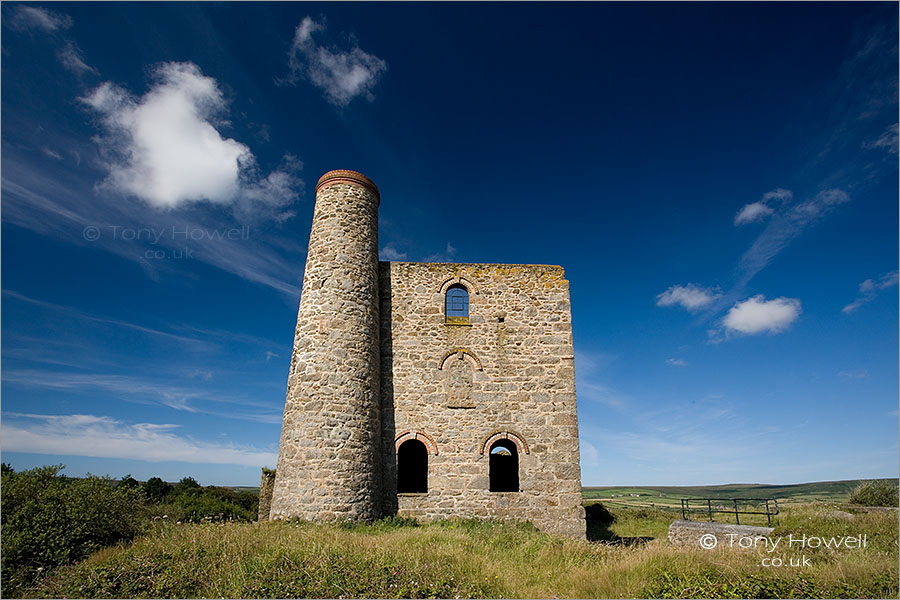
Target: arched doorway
(504, 466)
(412, 467)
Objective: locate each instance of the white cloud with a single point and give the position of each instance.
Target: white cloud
(779, 194)
(869, 288)
(163, 147)
(758, 211)
(690, 297)
(887, 140)
(270, 355)
(750, 213)
(676, 362)
(389, 252)
(70, 57)
(341, 75)
(34, 17)
(105, 437)
(758, 315)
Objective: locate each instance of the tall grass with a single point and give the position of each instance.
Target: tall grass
(876, 493)
(463, 558)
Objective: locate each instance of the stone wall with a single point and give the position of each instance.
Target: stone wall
(266, 486)
(506, 374)
(329, 464)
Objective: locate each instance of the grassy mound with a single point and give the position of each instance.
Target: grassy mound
(461, 558)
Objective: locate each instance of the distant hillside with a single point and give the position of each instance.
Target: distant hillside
(834, 491)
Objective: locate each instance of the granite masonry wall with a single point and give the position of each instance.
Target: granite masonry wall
(706, 535)
(329, 464)
(266, 486)
(458, 387)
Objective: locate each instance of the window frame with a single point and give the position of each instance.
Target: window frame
(457, 319)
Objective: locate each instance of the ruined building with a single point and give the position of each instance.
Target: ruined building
(430, 390)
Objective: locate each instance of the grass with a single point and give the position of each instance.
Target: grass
(397, 558)
(663, 496)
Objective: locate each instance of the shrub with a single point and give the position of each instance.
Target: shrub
(880, 492)
(246, 500)
(49, 520)
(129, 482)
(199, 507)
(187, 485)
(156, 490)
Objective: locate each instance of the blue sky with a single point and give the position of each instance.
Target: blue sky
(720, 182)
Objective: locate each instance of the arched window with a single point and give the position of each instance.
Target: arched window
(504, 466)
(412, 467)
(457, 303)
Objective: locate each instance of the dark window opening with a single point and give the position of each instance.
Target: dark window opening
(412, 467)
(504, 466)
(457, 301)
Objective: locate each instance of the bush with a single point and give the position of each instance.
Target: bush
(880, 492)
(199, 507)
(50, 520)
(156, 490)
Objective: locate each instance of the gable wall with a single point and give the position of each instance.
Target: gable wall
(456, 386)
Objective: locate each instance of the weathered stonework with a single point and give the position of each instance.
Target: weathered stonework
(705, 535)
(266, 486)
(329, 464)
(507, 374)
(377, 363)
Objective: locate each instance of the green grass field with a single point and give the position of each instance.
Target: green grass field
(670, 496)
(467, 558)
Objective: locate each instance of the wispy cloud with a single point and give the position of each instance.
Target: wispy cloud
(448, 255)
(857, 374)
(73, 312)
(62, 205)
(54, 26)
(389, 252)
(758, 315)
(201, 374)
(341, 74)
(164, 148)
(705, 445)
(690, 297)
(71, 58)
(590, 384)
(39, 19)
(200, 400)
(51, 153)
(105, 437)
(886, 141)
(676, 362)
(869, 288)
(785, 226)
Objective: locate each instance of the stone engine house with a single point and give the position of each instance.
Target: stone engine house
(427, 390)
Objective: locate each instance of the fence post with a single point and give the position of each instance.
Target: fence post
(737, 518)
(709, 507)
